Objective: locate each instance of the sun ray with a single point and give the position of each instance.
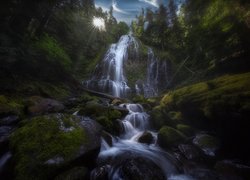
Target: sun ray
(99, 23)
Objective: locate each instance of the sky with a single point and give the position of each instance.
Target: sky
(126, 10)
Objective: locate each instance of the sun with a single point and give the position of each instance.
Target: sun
(99, 23)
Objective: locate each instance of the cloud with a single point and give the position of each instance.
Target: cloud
(117, 9)
(154, 3)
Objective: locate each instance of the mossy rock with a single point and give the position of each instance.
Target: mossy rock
(10, 106)
(158, 117)
(207, 143)
(168, 136)
(44, 144)
(146, 138)
(185, 129)
(105, 115)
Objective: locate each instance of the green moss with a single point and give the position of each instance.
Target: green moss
(168, 136)
(175, 116)
(11, 106)
(103, 114)
(49, 45)
(185, 129)
(158, 117)
(105, 122)
(226, 92)
(42, 138)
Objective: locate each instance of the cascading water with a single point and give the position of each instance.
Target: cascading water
(126, 152)
(109, 76)
(126, 148)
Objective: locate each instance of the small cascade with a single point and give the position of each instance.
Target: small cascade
(150, 87)
(126, 148)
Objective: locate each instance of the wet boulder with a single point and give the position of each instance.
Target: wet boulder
(138, 169)
(44, 146)
(107, 137)
(190, 151)
(104, 115)
(207, 143)
(101, 173)
(168, 136)
(146, 138)
(37, 105)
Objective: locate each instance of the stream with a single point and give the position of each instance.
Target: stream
(129, 159)
(125, 157)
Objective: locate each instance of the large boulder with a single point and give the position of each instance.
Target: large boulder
(37, 105)
(138, 169)
(105, 115)
(168, 136)
(46, 145)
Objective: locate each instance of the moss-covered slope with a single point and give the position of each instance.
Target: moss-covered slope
(221, 105)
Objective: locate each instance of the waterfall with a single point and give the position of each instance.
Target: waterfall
(109, 75)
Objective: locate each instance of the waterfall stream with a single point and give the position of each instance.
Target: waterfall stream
(126, 148)
(110, 76)
(126, 155)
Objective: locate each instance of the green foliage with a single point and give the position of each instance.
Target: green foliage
(40, 139)
(212, 102)
(55, 52)
(10, 106)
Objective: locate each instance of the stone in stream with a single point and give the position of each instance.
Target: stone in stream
(190, 152)
(146, 138)
(44, 146)
(141, 169)
(101, 173)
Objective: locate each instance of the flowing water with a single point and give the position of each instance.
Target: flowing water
(126, 147)
(126, 155)
(109, 75)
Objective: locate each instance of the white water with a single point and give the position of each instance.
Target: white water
(134, 124)
(109, 76)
